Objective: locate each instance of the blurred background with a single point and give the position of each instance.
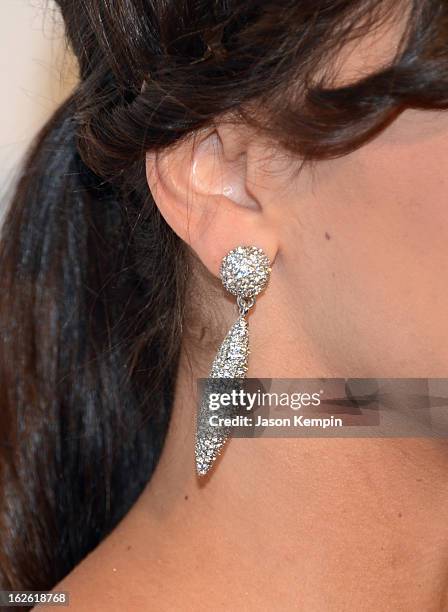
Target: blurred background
(36, 74)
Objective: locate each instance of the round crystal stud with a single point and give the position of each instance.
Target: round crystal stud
(245, 271)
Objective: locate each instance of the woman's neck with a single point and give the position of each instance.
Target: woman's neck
(297, 523)
(284, 524)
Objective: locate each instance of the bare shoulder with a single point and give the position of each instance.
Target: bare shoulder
(112, 578)
(95, 584)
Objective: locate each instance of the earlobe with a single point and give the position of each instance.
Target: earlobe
(200, 187)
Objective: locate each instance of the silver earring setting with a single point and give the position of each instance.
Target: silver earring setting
(245, 273)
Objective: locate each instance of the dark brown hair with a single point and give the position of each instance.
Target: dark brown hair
(93, 280)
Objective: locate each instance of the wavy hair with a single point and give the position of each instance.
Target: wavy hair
(93, 281)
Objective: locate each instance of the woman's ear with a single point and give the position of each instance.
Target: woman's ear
(202, 189)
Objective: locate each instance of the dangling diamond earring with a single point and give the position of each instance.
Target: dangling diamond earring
(244, 272)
